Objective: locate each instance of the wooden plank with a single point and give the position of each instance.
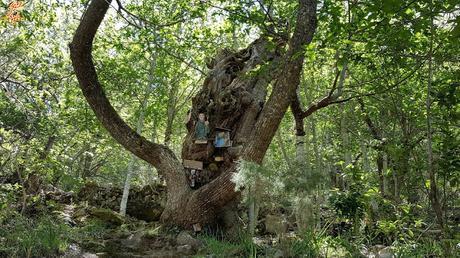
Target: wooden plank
(201, 142)
(193, 164)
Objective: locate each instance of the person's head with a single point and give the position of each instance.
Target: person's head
(201, 117)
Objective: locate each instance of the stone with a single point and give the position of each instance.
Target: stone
(185, 249)
(184, 238)
(386, 253)
(73, 251)
(107, 216)
(134, 240)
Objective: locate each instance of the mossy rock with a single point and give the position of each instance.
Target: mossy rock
(108, 216)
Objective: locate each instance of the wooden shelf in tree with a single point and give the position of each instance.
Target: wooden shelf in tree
(193, 164)
(201, 141)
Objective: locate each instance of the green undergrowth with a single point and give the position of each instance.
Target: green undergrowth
(47, 236)
(33, 237)
(318, 244)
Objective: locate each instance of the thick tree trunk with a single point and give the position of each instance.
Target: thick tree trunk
(232, 97)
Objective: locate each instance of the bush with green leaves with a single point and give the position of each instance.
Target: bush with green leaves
(349, 204)
(26, 237)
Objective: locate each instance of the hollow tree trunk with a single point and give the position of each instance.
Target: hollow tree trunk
(233, 96)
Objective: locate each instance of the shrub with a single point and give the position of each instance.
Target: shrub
(25, 237)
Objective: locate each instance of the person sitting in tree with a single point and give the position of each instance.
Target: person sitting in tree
(201, 128)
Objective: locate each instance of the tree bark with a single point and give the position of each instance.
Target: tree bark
(231, 97)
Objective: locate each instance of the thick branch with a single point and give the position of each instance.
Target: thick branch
(374, 130)
(81, 54)
(285, 87)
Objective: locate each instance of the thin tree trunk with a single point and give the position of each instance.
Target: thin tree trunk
(49, 144)
(396, 185)
(301, 135)
(314, 141)
(253, 213)
(345, 144)
(139, 127)
(364, 150)
(20, 170)
(384, 174)
(344, 128)
(380, 172)
(127, 186)
(300, 152)
(279, 138)
(434, 196)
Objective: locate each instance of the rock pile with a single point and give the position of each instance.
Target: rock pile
(145, 203)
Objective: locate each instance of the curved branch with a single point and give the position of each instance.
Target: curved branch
(285, 87)
(81, 55)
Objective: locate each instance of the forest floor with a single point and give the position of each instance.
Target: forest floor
(87, 224)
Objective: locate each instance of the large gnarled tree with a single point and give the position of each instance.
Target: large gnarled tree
(233, 96)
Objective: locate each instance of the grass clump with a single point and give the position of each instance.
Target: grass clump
(27, 237)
